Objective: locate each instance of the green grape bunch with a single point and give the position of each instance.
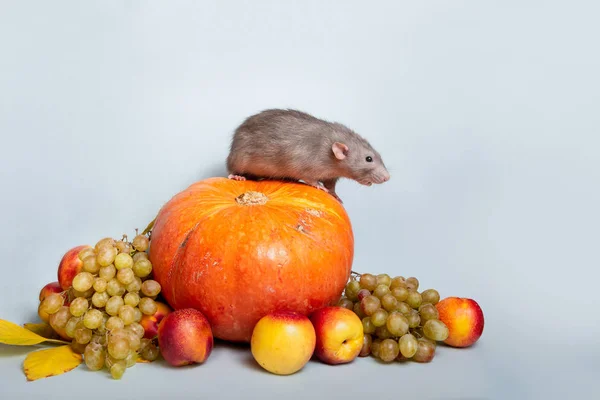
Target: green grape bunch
(102, 310)
(399, 322)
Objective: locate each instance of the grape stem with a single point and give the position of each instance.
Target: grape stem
(355, 273)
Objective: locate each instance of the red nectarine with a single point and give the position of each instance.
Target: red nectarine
(464, 319)
(185, 337)
(339, 334)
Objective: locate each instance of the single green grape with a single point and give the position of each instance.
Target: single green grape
(99, 299)
(389, 302)
(150, 352)
(380, 291)
(384, 279)
(52, 303)
(414, 318)
(388, 350)
(397, 281)
(123, 261)
(375, 345)
(414, 299)
(147, 306)
(362, 293)
(126, 314)
(125, 276)
(135, 286)
(123, 247)
(382, 332)
(368, 281)
(404, 308)
(79, 306)
(133, 299)
(151, 288)
(106, 255)
(351, 290)
(92, 318)
(397, 324)
(370, 304)
(137, 329)
(400, 293)
(105, 242)
(343, 302)
(357, 308)
(412, 283)
(94, 356)
(139, 255)
(366, 347)
(142, 267)
(368, 326)
(379, 317)
(430, 296)
(115, 288)
(408, 345)
(425, 351)
(117, 370)
(90, 264)
(118, 347)
(100, 285)
(428, 311)
(108, 272)
(141, 242)
(86, 252)
(436, 330)
(113, 304)
(83, 281)
(83, 335)
(114, 323)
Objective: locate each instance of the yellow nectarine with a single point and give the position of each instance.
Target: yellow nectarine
(283, 342)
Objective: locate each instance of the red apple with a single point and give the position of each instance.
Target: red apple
(283, 342)
(339, 334)
(464, 319)
(185, 337)
(69, 266)
(150, 322)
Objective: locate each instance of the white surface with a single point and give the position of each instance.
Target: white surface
(485, 112)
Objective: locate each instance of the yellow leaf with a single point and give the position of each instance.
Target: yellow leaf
(149, 227)
(14, 334)
(43, 329)
(50, 362)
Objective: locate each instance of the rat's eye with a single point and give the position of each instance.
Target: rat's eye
(369, 159)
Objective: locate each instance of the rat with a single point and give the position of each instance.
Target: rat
(289, 144)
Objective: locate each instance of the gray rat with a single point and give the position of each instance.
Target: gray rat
(293, 145)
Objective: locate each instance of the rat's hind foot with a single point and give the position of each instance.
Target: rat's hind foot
(236, 177)
(334, 194)
(316, 184)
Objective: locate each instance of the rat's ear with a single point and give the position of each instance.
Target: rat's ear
(340, 150)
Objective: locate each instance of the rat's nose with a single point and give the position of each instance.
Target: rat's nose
(386, 177)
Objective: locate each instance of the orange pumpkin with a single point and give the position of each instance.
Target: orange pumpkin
(239, 250)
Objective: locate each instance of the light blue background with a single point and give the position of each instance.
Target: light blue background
(486, 113)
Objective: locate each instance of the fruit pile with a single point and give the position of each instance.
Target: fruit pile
(102, 295)
(107, 308)
(399, 322)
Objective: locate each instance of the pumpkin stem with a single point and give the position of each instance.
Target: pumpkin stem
(251, 198)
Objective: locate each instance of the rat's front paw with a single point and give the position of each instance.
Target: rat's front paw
(236, 177)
